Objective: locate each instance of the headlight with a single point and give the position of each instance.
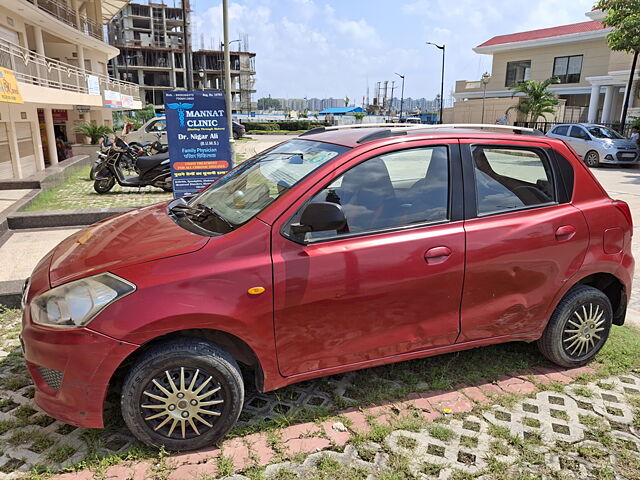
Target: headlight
(76, 303)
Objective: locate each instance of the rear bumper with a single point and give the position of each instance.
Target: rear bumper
(71, 370)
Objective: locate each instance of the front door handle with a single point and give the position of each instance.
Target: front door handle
(565, 232)
(437, 255)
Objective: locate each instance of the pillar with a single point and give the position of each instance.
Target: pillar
(594, 101)
(80, 52)
(51, 136)
(41, 69)
(609, 91)
(13, 149)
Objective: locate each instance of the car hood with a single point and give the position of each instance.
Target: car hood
(622, 143)
(138, 236)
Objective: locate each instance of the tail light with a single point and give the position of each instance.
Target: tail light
(626, 211)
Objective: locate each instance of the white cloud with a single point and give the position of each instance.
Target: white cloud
(322, 48)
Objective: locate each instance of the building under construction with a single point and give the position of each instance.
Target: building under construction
(151, 42)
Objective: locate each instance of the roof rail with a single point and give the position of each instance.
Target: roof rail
(396, 129)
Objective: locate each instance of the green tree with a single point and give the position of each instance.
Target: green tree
(268, 103)
(624, 17)
(346, 101)
(538, 99)
(94, 132)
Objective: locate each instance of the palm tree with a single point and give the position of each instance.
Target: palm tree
(94, 132)
(538, 99)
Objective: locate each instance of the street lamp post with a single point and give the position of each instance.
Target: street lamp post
(441, 47)
(401, 96)
(484, 80)
(201, 75)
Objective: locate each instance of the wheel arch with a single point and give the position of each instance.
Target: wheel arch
(234, 345)
(613, 288)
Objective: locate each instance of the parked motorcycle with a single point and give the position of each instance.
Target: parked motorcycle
(153, 170)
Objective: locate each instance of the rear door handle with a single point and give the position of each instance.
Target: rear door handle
(565, 232)
(437, 255)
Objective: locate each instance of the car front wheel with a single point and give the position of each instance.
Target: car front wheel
(578, 328)
(592, 158)
(183, 395)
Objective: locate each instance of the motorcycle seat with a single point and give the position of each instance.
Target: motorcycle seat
(148, 162)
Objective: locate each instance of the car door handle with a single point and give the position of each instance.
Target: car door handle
(437, 255)
(565, 232)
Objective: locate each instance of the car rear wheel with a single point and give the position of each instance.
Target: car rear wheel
(592, 158)
(579, 327)
(183, 395)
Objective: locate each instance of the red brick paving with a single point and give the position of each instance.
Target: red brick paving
(309, 437)
(517, 385)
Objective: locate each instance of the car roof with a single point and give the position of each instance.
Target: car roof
(353, 137)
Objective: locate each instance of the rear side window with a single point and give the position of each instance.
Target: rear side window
(561, 130)
(511, 179)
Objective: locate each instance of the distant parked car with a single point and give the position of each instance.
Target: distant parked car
(148, 132)
(597, 144)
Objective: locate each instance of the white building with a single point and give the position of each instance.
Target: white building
(57, 53)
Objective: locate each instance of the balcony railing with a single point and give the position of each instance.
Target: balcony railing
(67, 15)
(30, 67)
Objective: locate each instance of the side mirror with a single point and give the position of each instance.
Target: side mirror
(320, 217)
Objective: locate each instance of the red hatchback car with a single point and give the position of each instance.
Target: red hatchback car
(341, 249)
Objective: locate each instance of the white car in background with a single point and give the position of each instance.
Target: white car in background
(151, 131)
(597, 144)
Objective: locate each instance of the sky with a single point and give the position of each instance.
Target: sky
(316, 48)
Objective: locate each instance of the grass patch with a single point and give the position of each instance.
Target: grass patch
(442, 433)
(77, 193)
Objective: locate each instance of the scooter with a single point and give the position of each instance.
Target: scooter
(154, 170)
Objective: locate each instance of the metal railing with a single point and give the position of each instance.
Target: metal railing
(67, 15)
(30, 67)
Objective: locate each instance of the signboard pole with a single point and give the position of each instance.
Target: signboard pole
(198, 139)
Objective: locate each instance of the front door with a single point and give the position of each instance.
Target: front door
(579, 140)
(390, 282)
(525, 241)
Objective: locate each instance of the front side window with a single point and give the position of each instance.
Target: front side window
(517, 72)
(248, 189)
(392, 190)
(157, 126)
(567, 69)
(511, 179)
(579, 132)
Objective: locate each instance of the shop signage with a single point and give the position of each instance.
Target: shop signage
(112, 99)
(9, 91)
(93, 85)
(198, 139)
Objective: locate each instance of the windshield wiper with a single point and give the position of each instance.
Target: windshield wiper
(198, 212)
(204, 211)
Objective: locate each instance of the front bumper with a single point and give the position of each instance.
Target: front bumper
(619, 157)
(71, 370)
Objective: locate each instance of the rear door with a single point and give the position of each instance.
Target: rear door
(524, 238)
(391, 281)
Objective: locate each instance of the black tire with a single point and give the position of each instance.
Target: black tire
(103, 186)
(190, 357)
(592, 159)
(569, 339)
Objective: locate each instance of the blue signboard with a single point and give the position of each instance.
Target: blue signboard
(198, 139)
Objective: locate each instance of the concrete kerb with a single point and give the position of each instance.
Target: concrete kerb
(62, 218)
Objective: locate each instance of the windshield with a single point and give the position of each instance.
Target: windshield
(248, 189)
(603, 132)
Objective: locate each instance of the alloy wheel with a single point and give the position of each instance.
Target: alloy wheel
(181, 403)
(582, 333)
(592, 159)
